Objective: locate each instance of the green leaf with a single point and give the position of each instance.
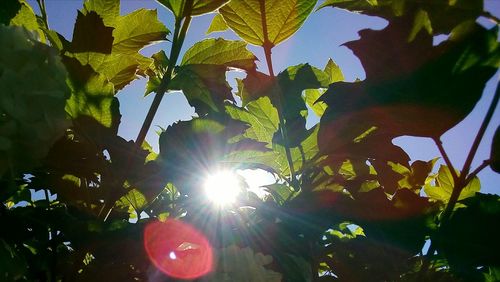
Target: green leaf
(282, 19)
(415, 177)
(217, 24)
(280, 192)
(114, 51)
(152, 154)
(260, 115)
(444, 185)
(202, 74)
(26, 18)
(156, 71)
(421, 21)
(204, 86)
(333, 71)
(108, 10)
(292, 82)
(311, 96)
(137, 30)
(133, 198)
(92, 94)
(200, 7)
(495, 151)
(220, 52)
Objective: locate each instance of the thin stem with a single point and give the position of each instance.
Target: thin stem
(284, 135)
(43, 11)
(477, 170)
(461, 183)
(439, 144)
(178, 40)
(491, 17)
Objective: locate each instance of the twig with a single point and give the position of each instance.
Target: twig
(267, 46)
(439, 144)
(178, 40)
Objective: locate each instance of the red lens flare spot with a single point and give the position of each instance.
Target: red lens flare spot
(178, 249)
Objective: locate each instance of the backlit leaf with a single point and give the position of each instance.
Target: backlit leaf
(200, 7)
(218, 24)
(311, 96)
(114, 51)
(202, 74)
(26, 18)
(445, 184)
(137, 30)
(109, 10)
(282, 19)
(220, 52)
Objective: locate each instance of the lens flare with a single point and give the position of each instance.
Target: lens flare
(178, 249)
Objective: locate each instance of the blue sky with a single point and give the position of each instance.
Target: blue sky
(320, 38)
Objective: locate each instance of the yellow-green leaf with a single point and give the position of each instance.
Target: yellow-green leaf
(444, 185)
(200, 7)
(262, 22)
(109, 10)
(26, 18)
(137, 30)
(218, 24)
(220, 52)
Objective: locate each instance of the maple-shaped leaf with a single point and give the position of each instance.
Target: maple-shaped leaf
(202, 73)
(200, 7)
(421, 90)
(436, 16)
(116, 55)
(91, 35)
(266, 22)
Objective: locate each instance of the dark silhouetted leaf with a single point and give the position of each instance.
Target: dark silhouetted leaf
(8, 10)
(91, 35)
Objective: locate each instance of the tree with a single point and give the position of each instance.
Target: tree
(347, 204)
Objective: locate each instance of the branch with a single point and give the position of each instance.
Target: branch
(439, 144)
(461, 183)
(284, 135)
(178, 40)
(477, 170)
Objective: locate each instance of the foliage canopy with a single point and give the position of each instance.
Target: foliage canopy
(347, 204)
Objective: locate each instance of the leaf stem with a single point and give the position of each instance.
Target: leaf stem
(463, 179)
(43, 11)
(178, 39)
(491, 17)
(267, 46)
(477, 170)
(447, 160)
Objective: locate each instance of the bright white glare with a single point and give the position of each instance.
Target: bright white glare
(256, 179)
(223, 187)
(172, 256)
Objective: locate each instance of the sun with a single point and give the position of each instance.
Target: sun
(223, 187)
